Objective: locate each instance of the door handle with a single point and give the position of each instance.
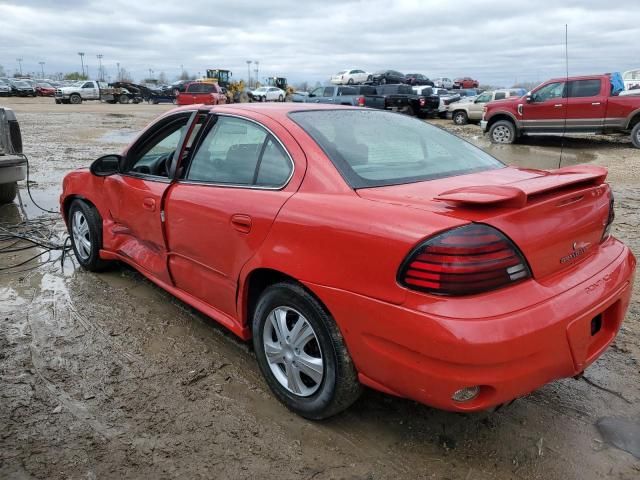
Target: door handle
(558, 105)
(595, 104)
(149, 204)
(241, 222)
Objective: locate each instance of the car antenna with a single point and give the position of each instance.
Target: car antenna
(566, 89)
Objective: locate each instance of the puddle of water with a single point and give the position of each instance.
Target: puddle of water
(537, 157)
(622, 433)
(123, 137)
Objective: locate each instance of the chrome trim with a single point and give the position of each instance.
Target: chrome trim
(237, 185)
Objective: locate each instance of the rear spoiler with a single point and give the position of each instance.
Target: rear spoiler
(517, 194)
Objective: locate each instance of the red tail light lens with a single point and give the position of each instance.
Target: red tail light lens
(611, 217)
(422, 102)
(472, 259)
(361, 101)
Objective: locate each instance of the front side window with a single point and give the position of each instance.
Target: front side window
(549, 92)
(328, 92)
(88, 85)
(239, 152)
(484, 98)
(584, 88)
(377, 148)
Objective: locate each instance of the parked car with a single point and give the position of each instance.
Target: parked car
(424, 103)
(349, 77)
(179, 86)
(445, 97)
(201, 92)
(267, 94)
(465, 82)
(386, 76)
(546, 109)
(20, 88)
(13, 165)
(5, 88)
(45, 90)
(443, 82)
(340, 95)
(361, 247)
(466, 111)
(631, 79)
(418, 79)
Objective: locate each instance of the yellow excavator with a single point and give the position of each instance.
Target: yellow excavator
(236, 91)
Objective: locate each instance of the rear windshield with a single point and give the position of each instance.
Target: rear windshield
(377, 148)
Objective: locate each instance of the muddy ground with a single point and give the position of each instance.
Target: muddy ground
(107, 376)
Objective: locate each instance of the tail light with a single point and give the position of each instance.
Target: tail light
(610, 218)
(422, 102)
(361, 101)
(472, 259)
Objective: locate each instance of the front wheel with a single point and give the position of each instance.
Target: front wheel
(281, 98)
(635, 135)
(124, 99)
(503, 131)
(302, 354)
(85, 229)
(460, 118)
(75, 99)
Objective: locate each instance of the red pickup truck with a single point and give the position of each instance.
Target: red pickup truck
(564, 105)
(201, 92)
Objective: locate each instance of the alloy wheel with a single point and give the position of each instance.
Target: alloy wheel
(293, 351)
(81, 237)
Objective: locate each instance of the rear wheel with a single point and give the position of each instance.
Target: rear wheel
(58, 101)
(350, 81)
(503, 131)
(124, 99)
(635, 135)
(460, 118)
(281, 98)
(8, 192)
(85, 229)
(302, 354)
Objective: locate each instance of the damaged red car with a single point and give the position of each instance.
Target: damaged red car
(358, 247)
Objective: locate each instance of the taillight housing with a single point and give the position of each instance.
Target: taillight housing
(361, 101)
(466, 260)
(422, 102)
(610, 217)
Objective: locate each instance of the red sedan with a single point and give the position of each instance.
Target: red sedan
(465, 82)
(363, 247)
(44, 89)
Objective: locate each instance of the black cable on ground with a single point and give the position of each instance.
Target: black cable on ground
(29, 189)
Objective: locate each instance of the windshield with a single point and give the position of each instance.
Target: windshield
(376, 148)
(44, 85)
(342, 72)
(261, 89)
(21, 84)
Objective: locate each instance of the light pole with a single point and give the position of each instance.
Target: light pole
(101, 73)
(118, 77)
(249, 62)
(150, 74)
(42, 68)
(257, 71)
(82, 61)
(181, 71)
(19, 60)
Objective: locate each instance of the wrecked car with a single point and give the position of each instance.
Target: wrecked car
(360, 247)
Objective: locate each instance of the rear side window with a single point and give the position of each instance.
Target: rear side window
(377, 148)
(584, 88)
(240, 152)
(328, 92)
(500, 96)
(346, 91)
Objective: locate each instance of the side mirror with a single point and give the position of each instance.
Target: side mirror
(106, 165)
(529, 98)
(311, 95)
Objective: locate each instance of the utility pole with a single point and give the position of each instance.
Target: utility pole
(19, 60)
(257, 71)
(150, 74)
(249, 62)
(118, 79)
(42, 68)
(82, 61)
(100, 71)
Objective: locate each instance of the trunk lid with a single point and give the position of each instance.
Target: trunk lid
(556, 218)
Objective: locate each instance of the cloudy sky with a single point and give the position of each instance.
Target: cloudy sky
(497, 42)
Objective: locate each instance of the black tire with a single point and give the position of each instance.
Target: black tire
(383, 80)
(75, 99)
(460, 117)
(410, 111)
(503, 132)
(92, 261)
(350, 81)
(635, 135)
(281, 98)
(442, 114)
(8, 192)
(58, 101)
(339, 387)
(123, 99)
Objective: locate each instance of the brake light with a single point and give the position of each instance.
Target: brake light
(472, 259)
(422, 102)
(610, 218)
(361, 101)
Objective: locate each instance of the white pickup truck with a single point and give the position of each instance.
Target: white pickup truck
(13, 165)
(91, 90)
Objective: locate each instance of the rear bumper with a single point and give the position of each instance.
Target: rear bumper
(426, 357)
(12, 169)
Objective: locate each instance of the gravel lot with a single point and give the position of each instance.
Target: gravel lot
(107, 376)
